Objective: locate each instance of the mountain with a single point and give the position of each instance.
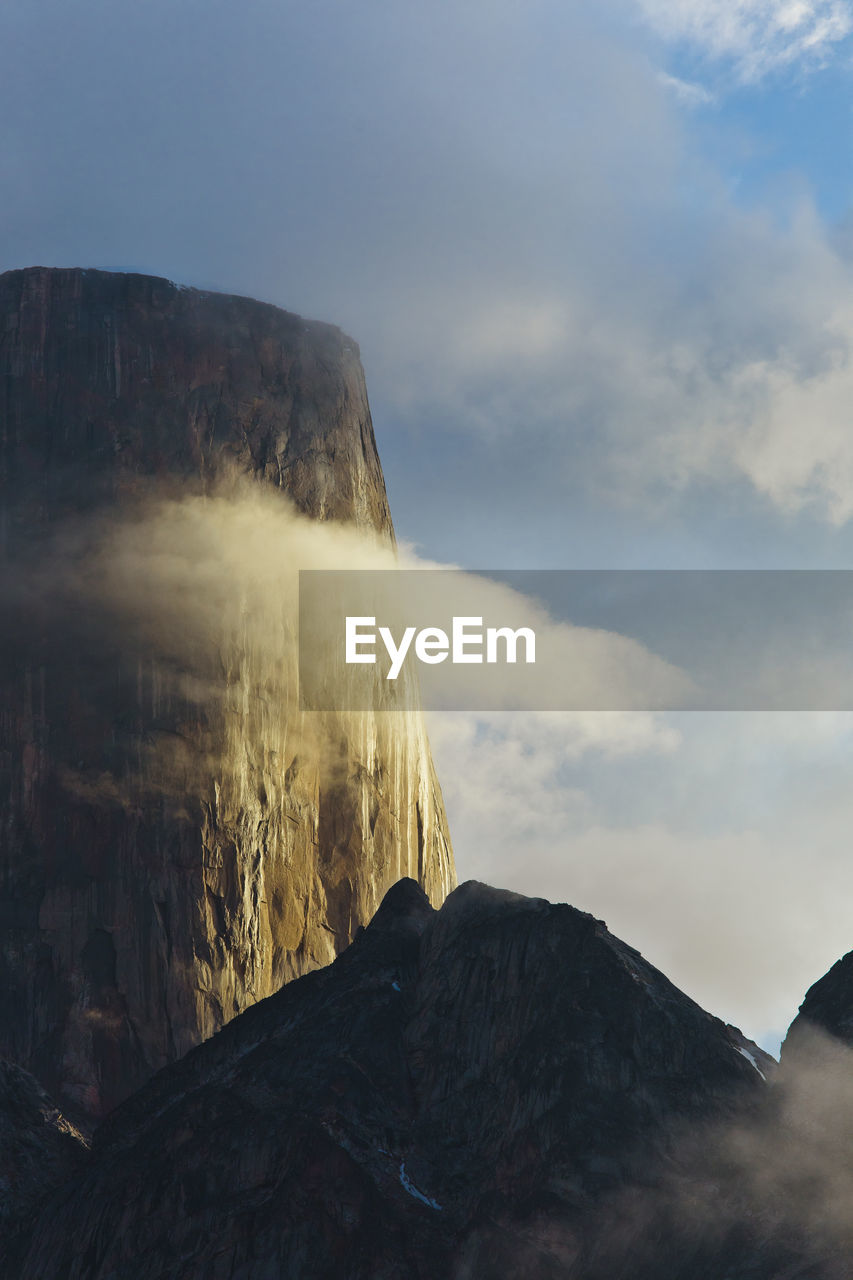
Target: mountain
(476, 1085)
(462, 1093)
(177, 837)
(827, 1006)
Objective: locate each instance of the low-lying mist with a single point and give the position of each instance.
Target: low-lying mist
(766, 1191)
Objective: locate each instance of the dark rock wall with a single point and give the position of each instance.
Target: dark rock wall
(828, 1005)
(453, 1097)
(107, 377)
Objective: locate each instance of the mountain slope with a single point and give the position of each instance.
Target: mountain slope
(458, 1094)
(39, 1150)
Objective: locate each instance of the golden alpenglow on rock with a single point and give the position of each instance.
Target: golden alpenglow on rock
(178, 839)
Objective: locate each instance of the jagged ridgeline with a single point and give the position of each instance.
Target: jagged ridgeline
(176, 838)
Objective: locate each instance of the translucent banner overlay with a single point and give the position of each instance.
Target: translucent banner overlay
(576, 640)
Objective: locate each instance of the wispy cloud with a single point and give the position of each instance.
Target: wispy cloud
(757, 36)
(687, 93)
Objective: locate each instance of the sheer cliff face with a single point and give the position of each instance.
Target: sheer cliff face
(109, 377)
(456, 1096)
(177, 839)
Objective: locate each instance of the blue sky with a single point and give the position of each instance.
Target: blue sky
(599, 261)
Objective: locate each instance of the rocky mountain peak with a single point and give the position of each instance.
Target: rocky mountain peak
(828, 1004)
(404, 909)
(453, 1096)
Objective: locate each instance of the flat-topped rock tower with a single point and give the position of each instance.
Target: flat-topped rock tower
(176, 838)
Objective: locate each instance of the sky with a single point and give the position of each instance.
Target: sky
(599, 261)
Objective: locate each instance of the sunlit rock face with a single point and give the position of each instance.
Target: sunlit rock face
(177, 838)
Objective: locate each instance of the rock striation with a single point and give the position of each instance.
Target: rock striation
(457, 1095)
(108, 377)
(177, 839)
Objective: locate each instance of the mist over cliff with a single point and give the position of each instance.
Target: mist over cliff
(177, 839)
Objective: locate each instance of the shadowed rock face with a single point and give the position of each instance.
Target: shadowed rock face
(105, 378)
(39, 1149)
(455, 1096)
(177, 839)
(828, 1004)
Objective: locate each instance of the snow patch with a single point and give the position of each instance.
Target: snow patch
(750, 1058)
(407, 1185)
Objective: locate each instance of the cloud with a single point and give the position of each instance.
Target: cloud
(560, 302)
(728, 358)
(192, 601)
(757, 36)
(177, 616)
(797, 445)
(765, 1189)
(686, 833)
(690, 95)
